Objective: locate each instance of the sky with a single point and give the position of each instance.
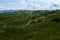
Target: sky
(29, 4)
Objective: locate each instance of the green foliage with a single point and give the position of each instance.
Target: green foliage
(42, 25)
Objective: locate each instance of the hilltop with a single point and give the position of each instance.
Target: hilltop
(30, 25)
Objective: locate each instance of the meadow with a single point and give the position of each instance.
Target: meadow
(30, 25)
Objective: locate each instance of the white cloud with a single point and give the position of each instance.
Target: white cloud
(50, 1)
(2, 8)
(32, 4)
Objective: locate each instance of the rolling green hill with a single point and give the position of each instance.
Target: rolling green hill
(30, 25)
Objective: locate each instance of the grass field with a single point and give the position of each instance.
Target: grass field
(27, 25)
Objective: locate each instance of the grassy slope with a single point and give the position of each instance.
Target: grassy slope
(13, 27)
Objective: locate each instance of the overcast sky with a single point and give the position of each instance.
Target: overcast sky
(29, 4)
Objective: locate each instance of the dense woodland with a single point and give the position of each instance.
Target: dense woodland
(30, 25)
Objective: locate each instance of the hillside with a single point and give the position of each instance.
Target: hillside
(30, 25)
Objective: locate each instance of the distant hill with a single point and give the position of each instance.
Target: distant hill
(3, 11)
